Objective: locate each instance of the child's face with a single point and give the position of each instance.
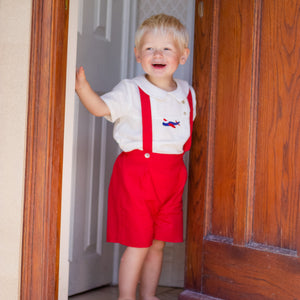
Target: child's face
(160, 55)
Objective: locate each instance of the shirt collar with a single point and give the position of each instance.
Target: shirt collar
(180, 93)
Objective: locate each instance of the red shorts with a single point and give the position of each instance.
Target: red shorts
(145, 199)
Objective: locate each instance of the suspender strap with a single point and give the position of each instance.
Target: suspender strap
(147, 121)
(188, 143)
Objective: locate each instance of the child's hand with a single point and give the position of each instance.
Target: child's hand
(80, 79)
(91, 100)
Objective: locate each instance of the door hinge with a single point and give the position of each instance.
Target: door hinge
(66, 4)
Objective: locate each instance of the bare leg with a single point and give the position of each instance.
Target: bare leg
(130, 270)
(151, 271)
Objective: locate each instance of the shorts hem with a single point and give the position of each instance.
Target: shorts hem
(144, 245)
(128, 244)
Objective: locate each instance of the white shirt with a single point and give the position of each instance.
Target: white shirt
(125, 111)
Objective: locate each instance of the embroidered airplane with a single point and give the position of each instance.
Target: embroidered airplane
(170, 123)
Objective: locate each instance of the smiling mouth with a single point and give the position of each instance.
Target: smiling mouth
(158, 66)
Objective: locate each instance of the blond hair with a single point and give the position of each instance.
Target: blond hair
(164, 24)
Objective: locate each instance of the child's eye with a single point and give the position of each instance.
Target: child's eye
(149, 49)
(167, 49)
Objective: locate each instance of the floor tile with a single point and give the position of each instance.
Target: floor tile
(111, 293)
(170, 294)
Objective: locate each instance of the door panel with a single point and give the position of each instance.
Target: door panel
(99, 50)
(244, 195)
(277, 164)
(249, 273)
(232, 107)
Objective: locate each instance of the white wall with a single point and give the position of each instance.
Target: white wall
(15, 19)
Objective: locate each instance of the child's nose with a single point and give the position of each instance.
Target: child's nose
(158, 52)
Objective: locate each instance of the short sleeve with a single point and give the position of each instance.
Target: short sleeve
(194, 102)
(118, 100)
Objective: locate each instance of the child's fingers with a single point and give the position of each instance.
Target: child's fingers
(80, 78)
(80, 74)
(79, 70)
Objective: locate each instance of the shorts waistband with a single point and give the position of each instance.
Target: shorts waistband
(141, 155)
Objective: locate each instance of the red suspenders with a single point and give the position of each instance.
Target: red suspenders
(147, 122)
(188, 143)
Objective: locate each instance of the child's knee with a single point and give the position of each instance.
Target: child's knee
(158, 245)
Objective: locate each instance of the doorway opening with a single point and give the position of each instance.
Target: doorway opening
(101, 38)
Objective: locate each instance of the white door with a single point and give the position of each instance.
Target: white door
(101, 48)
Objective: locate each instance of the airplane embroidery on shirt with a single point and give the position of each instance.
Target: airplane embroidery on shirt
(170, 123)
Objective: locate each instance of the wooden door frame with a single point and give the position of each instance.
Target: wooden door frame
(204, 83)
(44, 152)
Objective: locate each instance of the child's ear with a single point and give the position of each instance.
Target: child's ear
(137, 55)
(184, 56)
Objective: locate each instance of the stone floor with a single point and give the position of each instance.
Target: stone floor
(111, 293)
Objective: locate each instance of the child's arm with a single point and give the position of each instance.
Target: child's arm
(93, 103)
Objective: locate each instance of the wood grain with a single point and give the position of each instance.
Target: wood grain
(232, 273)
(45, 129)
(198, 153)
(277, 179)
(232, 124)
(244, 196)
